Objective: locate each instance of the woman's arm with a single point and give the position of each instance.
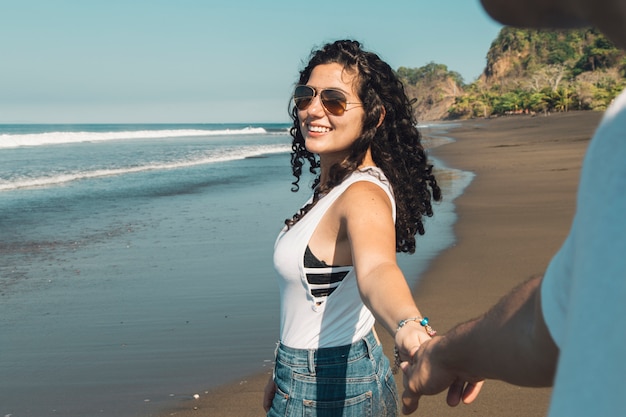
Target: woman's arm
(367, 214)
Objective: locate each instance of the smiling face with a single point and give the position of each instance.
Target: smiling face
(325, 134)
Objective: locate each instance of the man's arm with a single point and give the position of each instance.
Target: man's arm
(510, 342)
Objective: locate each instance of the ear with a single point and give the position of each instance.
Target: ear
(383, 113)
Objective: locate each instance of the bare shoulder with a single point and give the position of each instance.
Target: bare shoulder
(365, 198)
(366, 212)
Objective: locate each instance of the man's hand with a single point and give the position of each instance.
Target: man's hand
(426, 375)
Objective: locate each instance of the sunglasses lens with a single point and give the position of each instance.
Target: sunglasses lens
(302, 96)
(334, 101)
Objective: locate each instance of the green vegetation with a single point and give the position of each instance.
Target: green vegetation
(527, 71)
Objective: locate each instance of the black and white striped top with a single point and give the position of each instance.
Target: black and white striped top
(323, 279)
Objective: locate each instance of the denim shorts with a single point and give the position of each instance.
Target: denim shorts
(346, 381)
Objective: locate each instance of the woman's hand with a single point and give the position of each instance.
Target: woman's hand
(409, 338)
(268, 396)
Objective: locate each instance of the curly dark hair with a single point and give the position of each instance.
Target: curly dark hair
(395, 145)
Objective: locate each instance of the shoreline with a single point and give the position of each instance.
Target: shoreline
(512, 218)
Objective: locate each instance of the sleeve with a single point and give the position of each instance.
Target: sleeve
(584, 288)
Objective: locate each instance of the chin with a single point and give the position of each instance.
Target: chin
(309, 144)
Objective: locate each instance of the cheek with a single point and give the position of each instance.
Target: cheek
(301, 117)
(356, 125)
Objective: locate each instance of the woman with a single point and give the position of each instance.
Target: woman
(353, 124)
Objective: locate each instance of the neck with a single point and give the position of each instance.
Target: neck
(326, 163)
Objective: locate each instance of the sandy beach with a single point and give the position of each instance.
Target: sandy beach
(511, 220)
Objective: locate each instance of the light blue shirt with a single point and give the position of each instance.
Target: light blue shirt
(584, 288)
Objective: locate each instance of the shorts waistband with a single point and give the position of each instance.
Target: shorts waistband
(328, 356)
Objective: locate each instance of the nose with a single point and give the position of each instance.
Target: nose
(316, 107)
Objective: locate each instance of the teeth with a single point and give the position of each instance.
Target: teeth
(319, 129)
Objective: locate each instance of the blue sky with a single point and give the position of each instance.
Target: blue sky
(209, 61)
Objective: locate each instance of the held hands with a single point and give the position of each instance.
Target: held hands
(424, 374)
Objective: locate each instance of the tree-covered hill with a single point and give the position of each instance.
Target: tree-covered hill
(527, 71)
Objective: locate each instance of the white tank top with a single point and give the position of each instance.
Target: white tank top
(308, 321)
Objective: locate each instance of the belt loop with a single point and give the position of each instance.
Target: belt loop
(370, 343)
(311, 361)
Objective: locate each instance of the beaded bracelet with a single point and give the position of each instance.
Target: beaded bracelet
(424, 323)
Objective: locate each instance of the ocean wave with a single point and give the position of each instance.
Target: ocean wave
(64, 137)
(231, 154)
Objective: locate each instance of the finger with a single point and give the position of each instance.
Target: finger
(406, 376)
(410, 398)
(471, 391)
(410, 401)
(455, 393)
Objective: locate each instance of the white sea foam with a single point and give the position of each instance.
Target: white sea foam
(230, 154)
(55, 138)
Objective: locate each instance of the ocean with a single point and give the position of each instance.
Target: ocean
(136, 261)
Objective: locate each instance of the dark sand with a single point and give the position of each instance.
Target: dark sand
(512, 218)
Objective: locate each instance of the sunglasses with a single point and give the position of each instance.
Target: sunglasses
(334, 101)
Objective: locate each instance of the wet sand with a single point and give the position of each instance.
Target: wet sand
(511, 220)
